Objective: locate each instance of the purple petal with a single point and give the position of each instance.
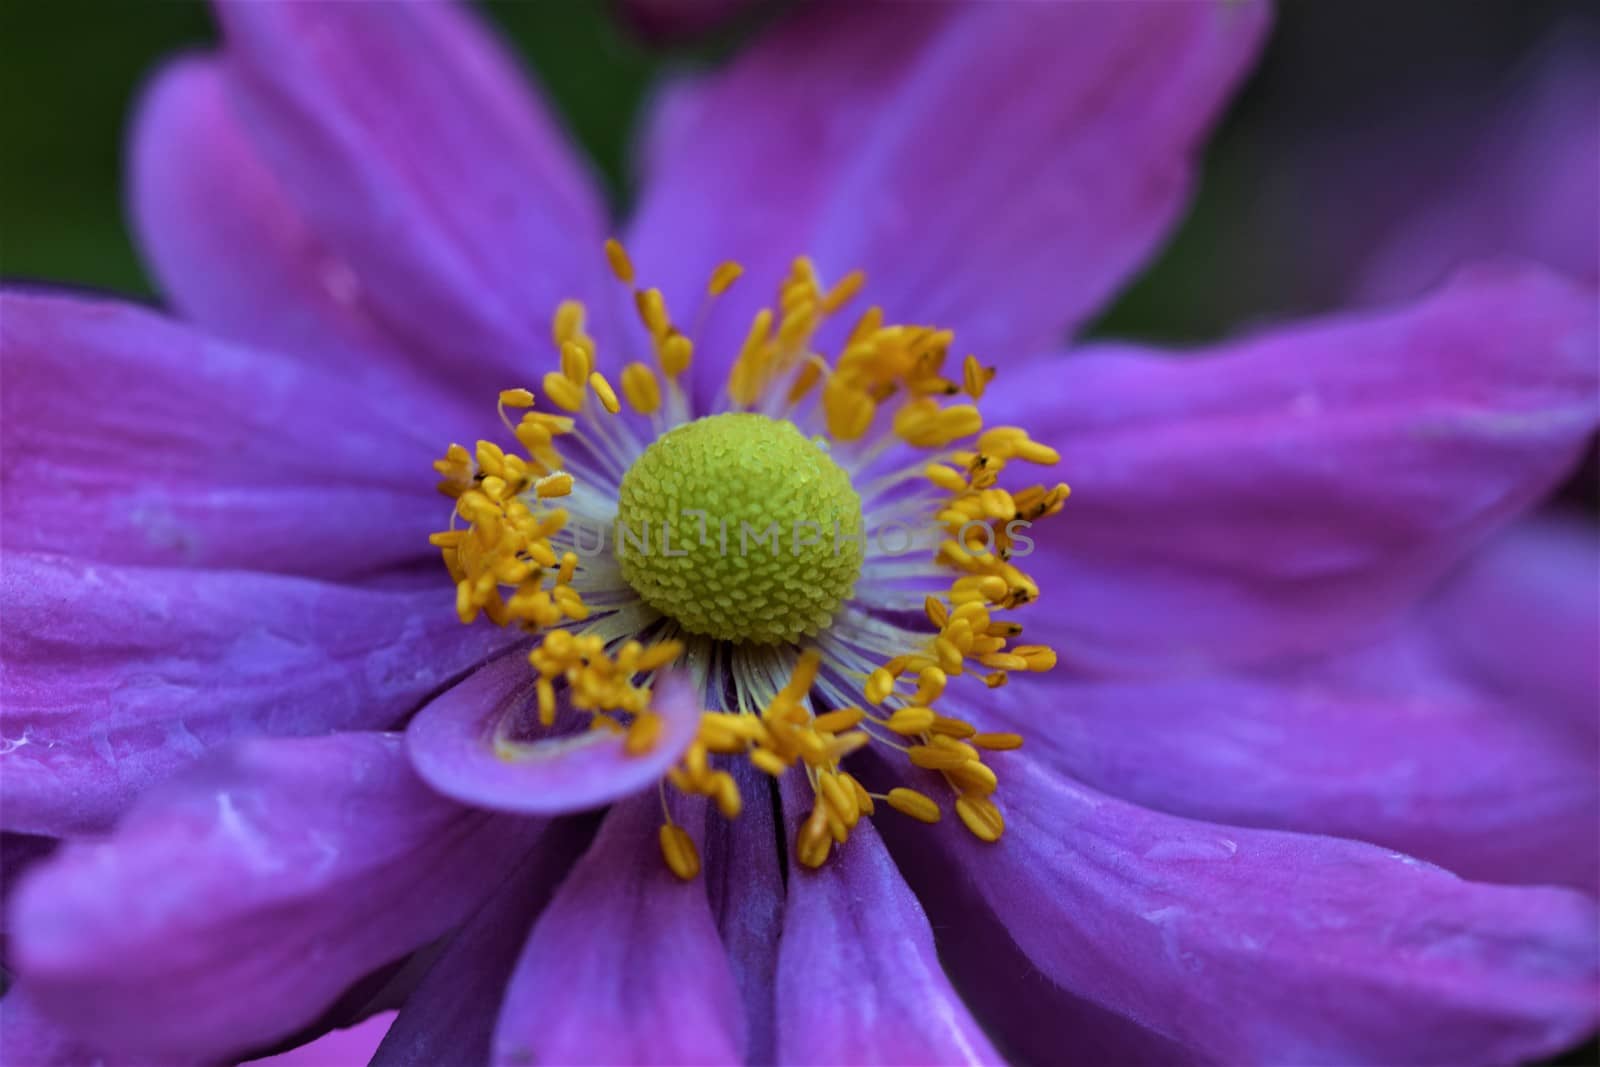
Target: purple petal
(858, 979)
(896, 138)
(405, 138)
(625, 965)
(117, 676)
(130, 438)
(1522, 620)
(742, 864)
(453, 744)
(232, 906)
(350, 1047)
(30, 1039)
(449, 1017)
(1251, 946)
(1522, 182)
(199, 192)
(1390, 745)
(1299, 488)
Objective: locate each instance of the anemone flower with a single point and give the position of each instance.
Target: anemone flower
(1312, 778)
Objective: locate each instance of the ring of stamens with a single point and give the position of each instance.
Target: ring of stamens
(845, 685)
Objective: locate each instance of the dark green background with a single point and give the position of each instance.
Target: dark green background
(71, 69)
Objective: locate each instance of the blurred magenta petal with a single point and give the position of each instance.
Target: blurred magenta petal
(1522, 618)
(455, 742)
(1390, 745)
(199, 192)
(1523, 184)
(232, 906)
(858, 979)
(451, 1014)
(625, 965)
(132, 438)
(892, 137)
(1294, 490)
(409, 142)
(117, 676)
(1312, 949)
(351, 1047)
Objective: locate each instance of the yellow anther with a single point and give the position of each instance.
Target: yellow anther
(617, 257)
(951, 727)
(516, 398)
(769, 761)
(675, 353)
(911, 721)
(815, 839)
(912, 803)
(559, 484)
(844, 292)
(849, 410)
(935, 758)
(981, 816)
(563, 392)
(975, 377)
(725, 792)
(568, 322)
(838, 721)
(879, 685)
(576, 362)
(640, 387)
(997, 742)
(947, 478)
(840, 797)
(652, 309)
(603, 390)
(973, 777)
(677, 848)
(659, 655)
(547, 702)
(643, 733)
(1037, 657)
(723, 277)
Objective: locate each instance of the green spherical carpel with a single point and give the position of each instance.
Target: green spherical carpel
(762, 529)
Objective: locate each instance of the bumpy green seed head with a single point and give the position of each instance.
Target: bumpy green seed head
(773, 491)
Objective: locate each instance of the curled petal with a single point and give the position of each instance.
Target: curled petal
(457, 743)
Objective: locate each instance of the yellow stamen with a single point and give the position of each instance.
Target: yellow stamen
(603, 390)
(621, 264)
(677, 848)
(723, 277)
(912, 803)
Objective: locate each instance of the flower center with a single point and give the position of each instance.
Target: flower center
(740, 528)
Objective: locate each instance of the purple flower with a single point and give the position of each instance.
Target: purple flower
(1314, 779)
